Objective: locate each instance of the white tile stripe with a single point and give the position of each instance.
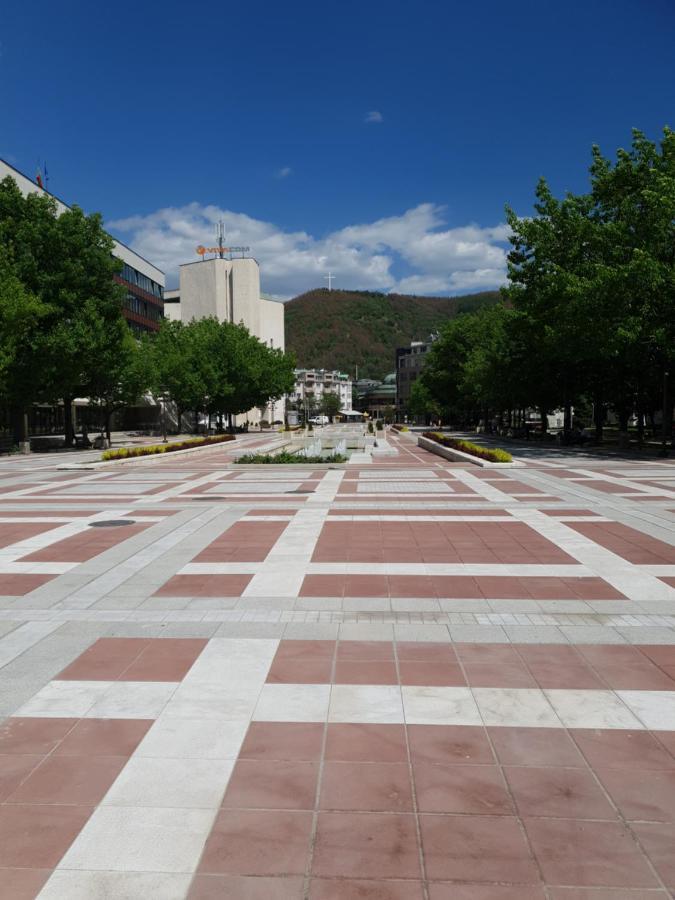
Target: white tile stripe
(295, 560)
(526, 707)
(633, 581)
(284, 568)
(158, 813)
(226, 686)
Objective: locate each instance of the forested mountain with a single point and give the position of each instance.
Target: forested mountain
(344, 329)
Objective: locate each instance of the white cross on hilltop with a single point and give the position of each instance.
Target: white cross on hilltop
(329, 278)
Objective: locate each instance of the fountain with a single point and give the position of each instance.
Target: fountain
(312, 449)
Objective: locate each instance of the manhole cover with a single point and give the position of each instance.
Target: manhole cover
(301, 491)
(111, 523)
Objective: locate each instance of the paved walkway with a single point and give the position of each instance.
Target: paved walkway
(407, 680)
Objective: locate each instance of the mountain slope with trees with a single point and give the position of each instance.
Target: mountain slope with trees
(344, 329)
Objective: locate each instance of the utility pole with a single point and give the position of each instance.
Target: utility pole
(329, 278)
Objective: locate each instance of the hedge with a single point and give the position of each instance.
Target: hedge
(496, 455)
(152, 449)
(286, 458)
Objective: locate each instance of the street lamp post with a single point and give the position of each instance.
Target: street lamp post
(163, 402)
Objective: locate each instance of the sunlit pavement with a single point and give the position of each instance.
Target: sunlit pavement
(402, 680)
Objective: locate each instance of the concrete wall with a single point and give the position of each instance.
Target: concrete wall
(272, 327)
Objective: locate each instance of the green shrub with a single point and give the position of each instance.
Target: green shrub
(494, 455)
(379, 425)
(153, 449)
(286, 458)
(370, 428)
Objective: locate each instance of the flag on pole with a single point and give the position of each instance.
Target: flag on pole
(38, 178)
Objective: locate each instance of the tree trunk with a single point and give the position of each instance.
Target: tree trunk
(108, 417)
(69, 431)
(623, 415)
(567, 420)
(598, 416)
(640, 420)
(543, 412)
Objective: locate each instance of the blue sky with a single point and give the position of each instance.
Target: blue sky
(378, 139)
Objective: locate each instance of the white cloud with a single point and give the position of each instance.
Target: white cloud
(436, 259)
(284, 172)
(374, 116)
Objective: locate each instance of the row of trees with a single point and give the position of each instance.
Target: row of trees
(588, 316)
(63, 335)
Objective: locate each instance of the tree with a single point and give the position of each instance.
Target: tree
(65, 261)
(330, 404)
(421, 403)
(120, 373)
(21, 314)
(217, 367)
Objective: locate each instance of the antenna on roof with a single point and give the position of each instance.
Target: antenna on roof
(220, 234)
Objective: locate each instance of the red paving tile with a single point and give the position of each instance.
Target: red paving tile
(35, 836)
(554, 666)
(458, 847)
(366, 786)
(588, 854)
(13, 532)
(204, 586)
(221, 887)
(477, 542)
(658, 841)
(365, 672)
(449, 745)
(557, 791)
(20, 585)
(69, 779)
(255, 842)
(366, 845)
(85, 545)
(22, 884)
(105, 660)
(349, 889)
(365, 650)
(626, 542)
(135, 659)
(282, 740)
(13, 770)
(421, 672)
(486, 892)
(534, 747)
(366, 743)
(243, 542)
(478, 790)
(641, 795)
(272, 784)
(33, 735)
(104, 737)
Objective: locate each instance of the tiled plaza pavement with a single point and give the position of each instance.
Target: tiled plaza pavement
(404, 680)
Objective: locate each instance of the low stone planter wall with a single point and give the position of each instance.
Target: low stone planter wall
(453, 455)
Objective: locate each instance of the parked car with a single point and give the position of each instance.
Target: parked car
(319, 420)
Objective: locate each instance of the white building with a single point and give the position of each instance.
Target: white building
(143, 282)
(229, 289)
(312, 384)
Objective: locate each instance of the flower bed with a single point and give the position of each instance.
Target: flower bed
(398, 427)
(285, 458)
(496, 455)
(152, 449)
